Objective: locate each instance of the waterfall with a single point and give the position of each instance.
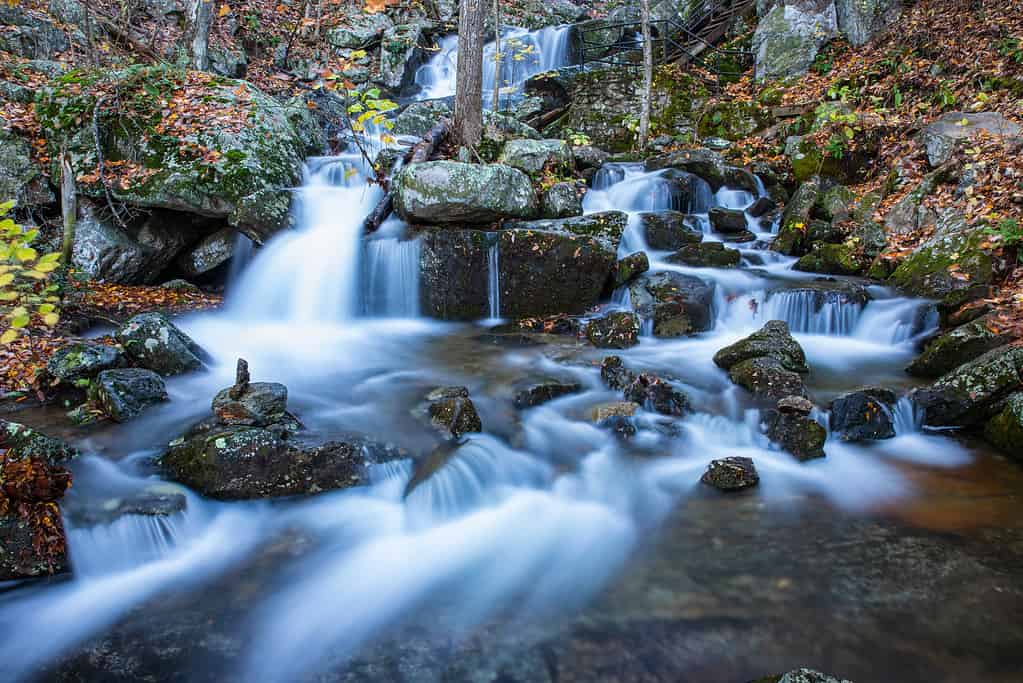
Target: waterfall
(812, 311)
(494, 281)
(241, 256)
(391, 273)
(524, 54)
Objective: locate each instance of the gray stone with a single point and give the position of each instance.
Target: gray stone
(941, 137)
(774, 341)
(669, 230)
(154, 342)
(531, 394)
(401, 51)
(419, 118)
(125, 393)
(766, 378)
(861, 20)
(104, 252)
(727, 220)
(959, 346)
(361, 29)
(705, 163)
(677, 304)
(212, 251)
(788, 38)
(536, 156)
(863, 415)
(563, 200)
(20, 178)
(971, 394)
(83, 360)
(259, 404)
(30, 35)
(706, 255)
(453, 192)
(731, 474)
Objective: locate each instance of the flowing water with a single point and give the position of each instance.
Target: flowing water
(539, 517)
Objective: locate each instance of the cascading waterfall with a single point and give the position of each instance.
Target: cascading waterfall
(391, 277)
(525, 53)
(494, 280)
(806, 312)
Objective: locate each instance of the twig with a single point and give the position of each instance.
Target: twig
(102, 163)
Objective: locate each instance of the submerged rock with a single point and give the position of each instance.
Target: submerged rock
(153, 342)
(677, 304)
(453, 192)
(864, 415)
(958, 346)
(972, 393)
(800, 435)
(124, 394)
(731, 474)
(773, 341)
(615, 330)
(538, 393)
(669, 230)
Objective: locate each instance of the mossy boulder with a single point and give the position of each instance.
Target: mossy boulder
(563, 199)
(401, 51)
(799, 435)
(669, 230)
(419, 118)
(677, 305)
(536, 156)
(788, 38)
(153, 342)
(971, 394)
(21, 179)
(454, 192)
(950, 263)
(773, 340)
(733, 120)
(834, 259)
(706, 255)
(82, 361)
(240, 168)
(792, 233)
(958, 346)
(123, 394)
(614, 330)
(1005, 430)
(630, 267)
(731, 474)
(766, 378)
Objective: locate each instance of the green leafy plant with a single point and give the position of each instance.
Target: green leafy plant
(576, 138)
(1009, 230)
(26, 286)
(1011, 48)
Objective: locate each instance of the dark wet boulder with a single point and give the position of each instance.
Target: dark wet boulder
(677, 304)
(741, 179)
(614, 330)
(535, 156)
(686, 192)
(125, 393)
(157, 500)
(614, 373)
(846, 258)
(791, 239)
(669, 230)
(256, 405)
(153, 342)
(545, 267)
(706, 255)
(731, 474)
(705, 163)
(531, 394)
(766, 378)
(657, 395)
(761, 207)
(972, 393)
(563, 200)
(799, 435)
(451, 411)
(621, 426)
(1005, 430)
(864, 415)
(727, 220)
(958, 346)
(211, 252)
(773, 341)
(454, 192)
(235, 462)
(630, 267)
(83, 361)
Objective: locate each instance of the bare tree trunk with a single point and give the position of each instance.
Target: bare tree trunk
(469, 90)
(648, 77)
(200, 20)
(69, 207)
(89, 39)
(498, 57)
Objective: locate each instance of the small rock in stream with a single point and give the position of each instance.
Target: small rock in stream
(537, 393)
(864, 415)
(797, 434)
(452, 411)
(731, 474)
(615, 330)
(123, 394)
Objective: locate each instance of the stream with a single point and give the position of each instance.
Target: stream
(887, 561)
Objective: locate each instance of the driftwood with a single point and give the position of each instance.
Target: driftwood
(419, 153)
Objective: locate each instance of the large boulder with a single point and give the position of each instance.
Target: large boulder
(29, 34)
(1005, 430)
(401, 51)
(788, 38)
(249, 160)
(123, 394)
(864, 415)
(677, 304)
(213, 251)
(536, 156)
(669, 230)
(104, 252)
(453, 192)
(418, 118)
(773, 340)
(941, 137)
(971, 394)
(21, 179)
(861, 20)
(563, 199)
(153, 342)
(958, 346)
(544, 267)
(792, 231)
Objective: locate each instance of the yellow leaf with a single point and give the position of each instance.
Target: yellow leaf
(25, 254)
(51, 319)
(8, 336)
(47, 267)
(224, 10)
(6, 279)
(46, 308)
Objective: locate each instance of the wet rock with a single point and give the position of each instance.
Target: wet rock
(971, 394)
(259, 404)
(727, 220)
(617, 409)
(795, 405)
(705, 163)
(799, 435)
(657, 395)
(809, 675)
(563, 200)
(941, 137)
(401, 51)
(451, 411)
(621, 426)
(125, 393)
(761, 207)
(766, 378)
(159, 500)
(104, 252)
(615, 330)
(669, 230)
(614, 373)
(214, 250)
(536, 156)
(153, 342)
(864, 415)
(706, 255)
(788, 38)
(677, 304)
(772, 341)
(791, 239)
(958, 346)
(630, 267)
(419, 118)
(741, 237)
(23, 442)
(538, 393)
(731, 474)
(83, 361)
(453, 192)
(589, 157)
(1005, 430)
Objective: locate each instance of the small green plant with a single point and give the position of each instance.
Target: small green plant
(26, 285)
(1009, 230)
(576, 138)
(945, 97)
(1011, 48)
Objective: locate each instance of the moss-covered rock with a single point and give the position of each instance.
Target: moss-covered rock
(971, 394)
(240, 169)
(953, 261)
(20, 178)
(731, 474)
(792, 232)
(83, 361)
(957, 347)
(1005, 430)
(733, 120)
(123, 394)
(706, 255)
(773, 340)
(788, 38)
(401, 51)
(153, 342)
(766, 378)
(800, 435)
(453, 192)
(630, 267)
(669, 230)
(563, 199)
(536, 156)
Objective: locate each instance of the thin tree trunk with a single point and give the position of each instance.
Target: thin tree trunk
(200, 20)
(69, 207)
(469, 90)
(648, 77)
(498, 57)
(89, 38)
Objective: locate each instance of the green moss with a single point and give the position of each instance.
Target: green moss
(1005, 430)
